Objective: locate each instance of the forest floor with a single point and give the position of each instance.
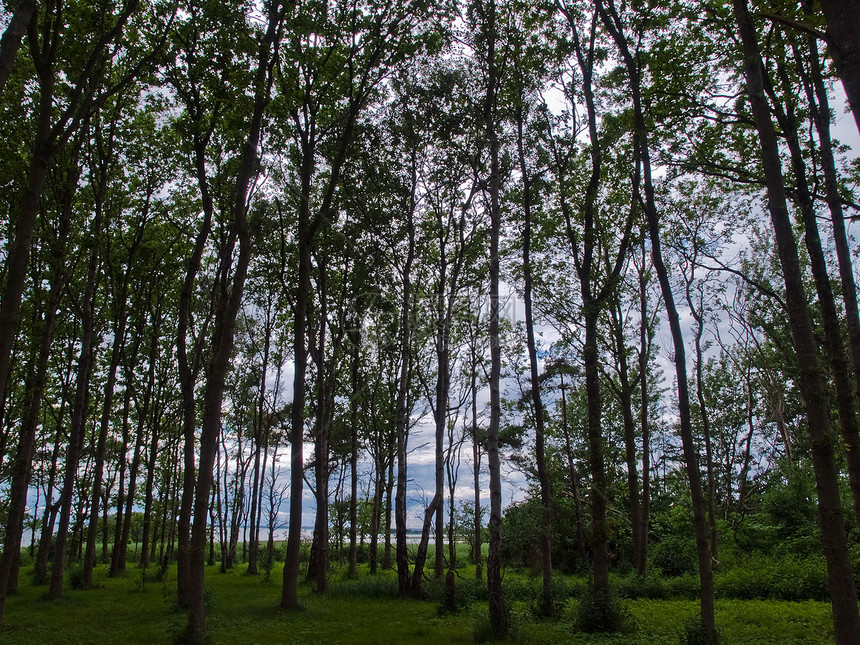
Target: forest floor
(244, 610)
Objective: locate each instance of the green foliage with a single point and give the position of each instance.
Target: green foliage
(655, 586)
(376, 587)
(76, 577)
(601, 611)
(115, 612)
(785, 578)
(675, 556)
(694, 633)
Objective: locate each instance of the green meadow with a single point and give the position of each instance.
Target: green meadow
(244, 609)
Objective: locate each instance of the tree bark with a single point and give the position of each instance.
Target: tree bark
(625, 395)
(355, 337)
(644, 421)
(403, 381)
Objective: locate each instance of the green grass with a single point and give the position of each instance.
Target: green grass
(243, 610)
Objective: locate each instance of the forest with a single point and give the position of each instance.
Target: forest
(543, 313)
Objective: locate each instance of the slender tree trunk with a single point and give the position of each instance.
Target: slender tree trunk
(476, 466)
(18, 254)
(821, 116)
(389, 491)
(843, 594)
(27, 441)
(839, 367)
(77, 422)
(11, 40)
(289, 595)
(704, 417)
(421, 554)
(443, 386)
(625, 396)
(497, 611)
(101, 444)
(353, 459)
(403, 380)
(612, 23)
(231, 289)
(574, 477)
(148, 533)
(49, 516)
(842, 17)
(644, 343)
(546, 603)
(378, 474)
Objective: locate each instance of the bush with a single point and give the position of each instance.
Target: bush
(675, 556)
(377, 586)
(466, 592)
(694, 633)
(601, 611)
(76, 578)
(761, 577)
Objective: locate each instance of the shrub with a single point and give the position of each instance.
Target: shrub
(466, 591)
(694, 633)
(377, 586)
(601, 611)
(760, 577)
(76, 578)
(675, 556)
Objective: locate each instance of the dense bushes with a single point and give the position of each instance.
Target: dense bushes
(757, 577)
(675, 556)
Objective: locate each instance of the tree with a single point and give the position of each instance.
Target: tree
(843, 593)
(644, 182)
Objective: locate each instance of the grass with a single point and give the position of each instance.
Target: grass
(243, 610)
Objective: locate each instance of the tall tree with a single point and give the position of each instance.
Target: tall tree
(642, 154)
(843, 595)
(486, 41)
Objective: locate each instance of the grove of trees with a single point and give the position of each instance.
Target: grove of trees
(251, 250)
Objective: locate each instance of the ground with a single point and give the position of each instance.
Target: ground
(243, 610)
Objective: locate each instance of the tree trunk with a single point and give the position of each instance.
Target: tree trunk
(625, 396)
(101, 444)
(147, 532)
(820, 108)
(497, 611)
(546, 602)
(11, 42)
(840, 370)
(76, 435)
(644, 350)
(403, 381)
(289, 594)
(843, 594)
(355, 336)
(612, 23)
(698, 316)
(574, 477)
(842, 17)
(421, 554)
(443, 386)
(27, 441)
(476, 465)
